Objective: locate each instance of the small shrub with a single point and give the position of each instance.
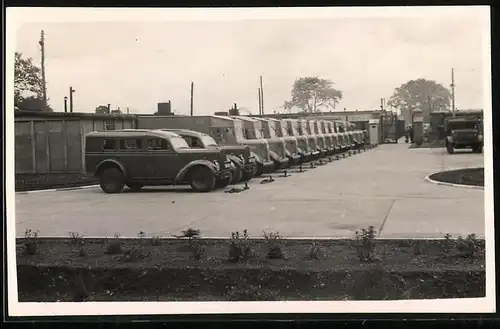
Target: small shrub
(31, 244)
(469, 246)
(365, 244)
(156, 241)
(273, 242)
(82, 252)
(417, 248)
(141, 235)
(314, 252)
(447, 242)
(133, 255)
(191, 234)
(197, 250)
(239, 247)
(115, 247)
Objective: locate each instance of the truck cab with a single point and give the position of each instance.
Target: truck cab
(305, 129)
(320, 137)
(292, 129)
(334, 136)
(323, 128)
(462, 133)
(291, 143)
(276, 144)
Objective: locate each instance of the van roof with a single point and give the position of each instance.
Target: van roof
(132, 133)
(188, 132)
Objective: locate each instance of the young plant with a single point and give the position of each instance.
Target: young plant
(197, 250)
(156, 241)
(469, 246)
(314, 252)
(447, 242)
(191, 234)
(75, 238)
(31, 244)
(274, 245)
(115, 247)
(365, 244)
(239, 247)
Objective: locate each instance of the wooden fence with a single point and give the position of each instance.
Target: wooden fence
(55, 145)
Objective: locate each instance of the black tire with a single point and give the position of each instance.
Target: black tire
(202, 179)
(237, 176)
(449, 148)
(222, 183)
(111, 180)
(477, 149)
(249, 175)
(135, 186)
(260, 170)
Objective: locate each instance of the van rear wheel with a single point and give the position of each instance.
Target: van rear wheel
(111, 181)
(202, 179)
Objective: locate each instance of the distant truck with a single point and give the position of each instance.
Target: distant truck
(224, 130)
(463, 132)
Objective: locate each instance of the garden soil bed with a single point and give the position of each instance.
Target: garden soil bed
(174, 269)
(468, 176)
(33, 182)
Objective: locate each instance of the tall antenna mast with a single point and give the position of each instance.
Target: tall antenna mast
(453, 91)
(44, 85)
(261, 97)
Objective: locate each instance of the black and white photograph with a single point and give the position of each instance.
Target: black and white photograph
(249, 160)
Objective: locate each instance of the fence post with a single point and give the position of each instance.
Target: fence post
(82, 147)
(47, 144)
(65, 145)
(33, 146)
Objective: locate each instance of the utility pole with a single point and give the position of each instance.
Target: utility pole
(44, 85)
(65, 104)
(192, 97)
(71, 91)
(453, 91)
(261, 97)
(260, 103)
(128, 110)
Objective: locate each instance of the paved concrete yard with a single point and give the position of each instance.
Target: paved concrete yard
(384, 187)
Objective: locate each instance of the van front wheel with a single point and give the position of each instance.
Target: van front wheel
(111, 181)
(202, 179)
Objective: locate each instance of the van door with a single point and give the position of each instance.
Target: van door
(162, 161)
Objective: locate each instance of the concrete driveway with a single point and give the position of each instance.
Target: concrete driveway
(384, 187)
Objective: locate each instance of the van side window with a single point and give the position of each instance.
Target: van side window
(109, 144)
(130, 144)
(157, 144)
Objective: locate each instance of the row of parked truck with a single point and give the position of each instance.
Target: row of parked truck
(207, 152)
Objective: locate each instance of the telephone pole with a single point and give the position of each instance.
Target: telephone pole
(260, 103)
(44, 85)
(453, 91)
(71, 91)
(192, 96)
(261, 96)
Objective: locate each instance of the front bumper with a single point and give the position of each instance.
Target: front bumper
(282, 163)
(295, 158)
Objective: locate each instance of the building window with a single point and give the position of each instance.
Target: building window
(110, 125)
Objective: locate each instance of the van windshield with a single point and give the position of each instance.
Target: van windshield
(208, 141)
(178, 142)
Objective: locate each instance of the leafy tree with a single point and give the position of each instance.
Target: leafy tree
(28, 85)
(426, 95)
(311, 94)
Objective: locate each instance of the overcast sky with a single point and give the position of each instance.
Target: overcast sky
(138, 64)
